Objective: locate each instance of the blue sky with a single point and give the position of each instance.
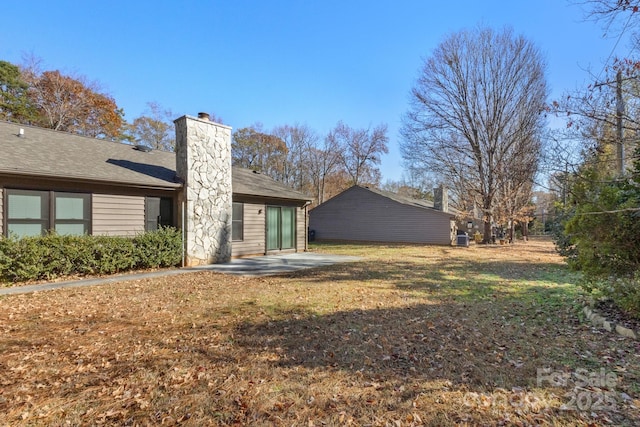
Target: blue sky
(285, 62)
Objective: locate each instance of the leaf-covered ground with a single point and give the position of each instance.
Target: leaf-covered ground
(411, 335)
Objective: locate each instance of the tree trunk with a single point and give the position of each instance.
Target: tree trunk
(487, 230)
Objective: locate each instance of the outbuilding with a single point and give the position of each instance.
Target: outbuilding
(367, 214)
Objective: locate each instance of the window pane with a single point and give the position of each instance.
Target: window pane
(23, 230)
(288, 222)
(273, 228)
(152, 213)
(237, 211)
(73, 229)
(25, 206)
(236, 231)
(166, 212)
(237, 222)
(69, 207)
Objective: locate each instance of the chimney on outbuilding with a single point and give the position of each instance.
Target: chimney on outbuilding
(441, 198)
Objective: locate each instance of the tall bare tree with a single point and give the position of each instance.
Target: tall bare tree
(155, 128)
(361, 151)
(298, 139)
(476, 110)
(323, 162)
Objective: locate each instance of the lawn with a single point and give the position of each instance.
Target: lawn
(410, 335)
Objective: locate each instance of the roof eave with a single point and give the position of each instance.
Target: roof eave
(89, 180)
(263, 196)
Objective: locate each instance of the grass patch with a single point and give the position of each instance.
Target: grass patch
(410, 335)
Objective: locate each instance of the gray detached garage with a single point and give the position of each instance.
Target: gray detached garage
(372, 215)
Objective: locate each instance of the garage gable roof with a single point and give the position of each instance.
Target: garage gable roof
(404, 200)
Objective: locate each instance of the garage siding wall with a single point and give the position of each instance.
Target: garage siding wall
(361, 215)
(253, 242)
(116, 215)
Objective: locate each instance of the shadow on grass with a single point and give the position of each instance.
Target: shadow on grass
(493, 343)
(448, 276)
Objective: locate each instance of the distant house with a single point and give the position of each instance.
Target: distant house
(371, 215)
(77, 185)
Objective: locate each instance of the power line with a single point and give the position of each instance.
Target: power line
(615, 46)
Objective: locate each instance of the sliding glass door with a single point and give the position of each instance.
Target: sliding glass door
(281, 228)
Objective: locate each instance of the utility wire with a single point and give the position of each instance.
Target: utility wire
(615, 46)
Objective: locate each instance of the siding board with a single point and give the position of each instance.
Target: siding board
(253, 242)
(115, 215)
(301, 229)
(361, 215)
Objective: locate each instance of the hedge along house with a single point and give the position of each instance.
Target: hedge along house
(371, 215)
(72, 184)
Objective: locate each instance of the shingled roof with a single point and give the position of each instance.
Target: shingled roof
(252, 183)
(45, 153)
(404, 200)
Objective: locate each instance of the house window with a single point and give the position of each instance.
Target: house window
(27, 212)
(72, 213)
(158, 212)
(32, 213)
(237, 222)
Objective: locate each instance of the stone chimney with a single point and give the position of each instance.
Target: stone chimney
(203, 164)
(441, 198)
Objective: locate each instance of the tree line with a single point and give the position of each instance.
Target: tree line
(296, 155)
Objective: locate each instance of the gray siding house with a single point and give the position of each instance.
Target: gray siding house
(78, 185)
(371, 215)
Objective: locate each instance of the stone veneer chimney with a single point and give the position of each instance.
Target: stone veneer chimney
(203, 164)
(441, 198)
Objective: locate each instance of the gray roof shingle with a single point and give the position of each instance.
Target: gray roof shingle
(50, 154)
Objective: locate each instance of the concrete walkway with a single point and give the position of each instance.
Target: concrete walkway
(256, 266)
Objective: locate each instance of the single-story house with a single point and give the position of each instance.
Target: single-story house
(72, 184)
(371, 215)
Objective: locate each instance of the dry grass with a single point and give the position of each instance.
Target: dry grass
(409, 336)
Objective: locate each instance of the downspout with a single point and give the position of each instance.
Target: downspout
(183, 230)
(306, 224)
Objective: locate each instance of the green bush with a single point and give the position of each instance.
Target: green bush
(161, 248)
(50, 256)
(599, 233)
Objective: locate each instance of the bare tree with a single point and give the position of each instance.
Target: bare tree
(155, 128)
(323, 163)
(298, 139)
(476, 110)
(616, 16)
(361, 150)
